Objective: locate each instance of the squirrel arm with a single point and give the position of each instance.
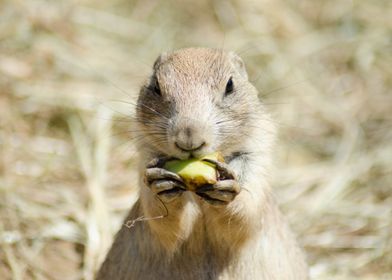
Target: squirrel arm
(237, 220)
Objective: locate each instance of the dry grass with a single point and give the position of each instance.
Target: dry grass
(67, 162)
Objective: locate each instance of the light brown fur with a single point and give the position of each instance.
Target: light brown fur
(244, 239)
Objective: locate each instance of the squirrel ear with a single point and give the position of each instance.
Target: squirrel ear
(159, 61)
(238, 64)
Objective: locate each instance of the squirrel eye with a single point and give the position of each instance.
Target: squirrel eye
(156, 88)
(229, 87)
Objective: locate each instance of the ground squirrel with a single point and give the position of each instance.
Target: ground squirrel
(198, 101)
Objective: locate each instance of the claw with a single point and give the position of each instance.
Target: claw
(167, 190)
(222, 192)
(166, 187)
(224, 170)
(158, 161)
(156, 173)
(225, 185)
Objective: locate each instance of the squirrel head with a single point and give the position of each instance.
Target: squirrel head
(198, 101)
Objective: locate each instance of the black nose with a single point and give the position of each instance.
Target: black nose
(189, 147)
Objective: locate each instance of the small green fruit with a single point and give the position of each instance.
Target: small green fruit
(195, 172)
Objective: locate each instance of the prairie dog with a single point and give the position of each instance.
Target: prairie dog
(198, 101)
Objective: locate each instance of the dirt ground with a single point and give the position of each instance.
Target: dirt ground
(69, 73)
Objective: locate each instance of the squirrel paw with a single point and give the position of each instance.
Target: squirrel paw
(165, 184)
(223, 191)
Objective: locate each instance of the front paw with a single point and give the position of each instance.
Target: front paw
(224, 190)
(165, 184)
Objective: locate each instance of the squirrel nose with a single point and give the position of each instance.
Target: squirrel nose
(188, 139)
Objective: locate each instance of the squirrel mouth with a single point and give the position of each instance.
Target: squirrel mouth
(227, 158)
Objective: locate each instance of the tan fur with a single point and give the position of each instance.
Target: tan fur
(245, 239)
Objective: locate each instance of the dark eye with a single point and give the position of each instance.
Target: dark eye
(229, 87)
(154, 87)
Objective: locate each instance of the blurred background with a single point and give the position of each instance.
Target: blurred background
(69, 73)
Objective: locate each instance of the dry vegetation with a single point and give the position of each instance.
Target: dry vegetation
(68, 76)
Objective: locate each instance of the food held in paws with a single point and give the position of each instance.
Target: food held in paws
(195, 172)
